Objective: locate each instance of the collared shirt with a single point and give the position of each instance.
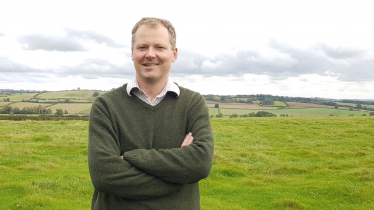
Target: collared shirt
(133, 87)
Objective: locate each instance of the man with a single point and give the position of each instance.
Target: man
(150, 141)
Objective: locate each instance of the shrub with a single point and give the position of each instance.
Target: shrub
(234, 116)
(265, 114)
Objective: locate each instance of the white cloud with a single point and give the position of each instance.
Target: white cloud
(297, 48)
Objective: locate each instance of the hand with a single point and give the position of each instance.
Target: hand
(188, 139)
(122, 156)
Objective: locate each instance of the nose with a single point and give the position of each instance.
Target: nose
(150, 53)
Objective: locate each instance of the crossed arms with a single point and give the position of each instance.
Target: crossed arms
(147, 173)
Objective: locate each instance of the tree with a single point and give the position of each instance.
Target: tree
(95, 94)
(252, 114)
(234, 116)
(336, 106)
(267, 102)
(249, 101)
(7, 99)
(66, 112)
(265, 114)
(350, 109)
(358, 106)
(67, 100)
(216, 106)
(371, 113)
(219, 115)
(59, 113)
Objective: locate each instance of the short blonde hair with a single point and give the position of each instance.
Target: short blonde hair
(154, 22)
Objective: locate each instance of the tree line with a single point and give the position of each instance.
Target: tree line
(31, 110)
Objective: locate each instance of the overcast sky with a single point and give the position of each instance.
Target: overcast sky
(290, 48)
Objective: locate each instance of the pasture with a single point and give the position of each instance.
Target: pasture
(260, 163)
(291, 112)
(79, 95)
(72, 108)
(353, 105)
(20, 97)
(22, 105)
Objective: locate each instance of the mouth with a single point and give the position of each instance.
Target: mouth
(150, 64)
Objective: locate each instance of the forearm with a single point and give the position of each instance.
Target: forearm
(178, 165)
(118, 177)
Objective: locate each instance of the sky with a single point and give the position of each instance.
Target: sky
(291, 48)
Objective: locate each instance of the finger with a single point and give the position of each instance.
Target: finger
(190, 140)
(186, 139)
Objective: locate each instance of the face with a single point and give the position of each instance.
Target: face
(152, 54)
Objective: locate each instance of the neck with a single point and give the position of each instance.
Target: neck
(152, 89)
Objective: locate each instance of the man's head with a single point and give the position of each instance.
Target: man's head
(153, 51)
(155, 22)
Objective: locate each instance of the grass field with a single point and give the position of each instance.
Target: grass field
(72, 108)
(27, 104)
(4, 103)
(19, 97)
(260, 163)
(353, 105)
(291, 112)
(78, 94)
(279, 103)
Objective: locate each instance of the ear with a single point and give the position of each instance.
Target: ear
(175, 54)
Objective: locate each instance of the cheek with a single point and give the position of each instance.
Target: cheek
(137, 57)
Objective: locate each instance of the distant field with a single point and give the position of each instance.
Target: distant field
(296, 105)
(27, 104)
(353, 105)
(213, 111)
(78, 94)
(4, 103)
(20, 97)
(279, 103)
(292, 112)
(237, 105)
(72, 108)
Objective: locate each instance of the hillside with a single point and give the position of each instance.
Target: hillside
(78, 102)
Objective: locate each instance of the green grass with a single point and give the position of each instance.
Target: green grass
(43, 165)
(280, 104)
(21, 105)
(291, 163)
(19, 97)
(353, 104)
(260, 163)
(4, 103)
(293, 112)
(78, 95)
(72, 108)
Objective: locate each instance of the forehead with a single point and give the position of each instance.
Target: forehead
(152, 33)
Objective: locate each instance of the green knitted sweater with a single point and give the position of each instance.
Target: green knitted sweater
(155, 172)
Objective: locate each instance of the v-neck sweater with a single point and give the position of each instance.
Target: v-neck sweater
(155, 172)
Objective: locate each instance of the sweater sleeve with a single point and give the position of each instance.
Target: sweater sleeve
(188, 164)
(109, 172)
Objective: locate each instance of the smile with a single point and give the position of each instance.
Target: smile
(150, 64)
